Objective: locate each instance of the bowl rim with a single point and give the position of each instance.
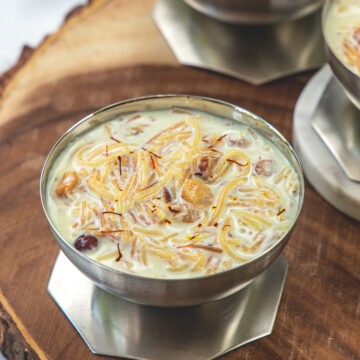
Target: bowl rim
(328, 4)
(48, 165)
(255, 18)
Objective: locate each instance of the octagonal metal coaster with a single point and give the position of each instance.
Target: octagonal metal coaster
(256, 54)
(112, 326)
(326, 131)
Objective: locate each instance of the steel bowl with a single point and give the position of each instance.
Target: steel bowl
(170, 292)
(255, 11)
(347, 78)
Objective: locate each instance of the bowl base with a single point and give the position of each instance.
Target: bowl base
(256, 54)
(112, 326)
(323, 114)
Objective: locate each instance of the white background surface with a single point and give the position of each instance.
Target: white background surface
(27, 22)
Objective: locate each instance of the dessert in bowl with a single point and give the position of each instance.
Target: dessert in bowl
(172, 200)
(341, 30)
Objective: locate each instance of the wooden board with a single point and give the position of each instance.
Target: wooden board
(111, 51)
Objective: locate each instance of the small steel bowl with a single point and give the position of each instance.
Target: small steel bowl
(347, 78)
(171, 292)
(259, 12)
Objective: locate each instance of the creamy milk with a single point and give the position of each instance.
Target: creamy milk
(172, 194)
(342, 30)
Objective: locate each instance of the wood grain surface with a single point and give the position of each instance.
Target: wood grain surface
(111, 51)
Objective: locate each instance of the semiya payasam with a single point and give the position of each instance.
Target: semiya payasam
(342, 29)
(172, 193)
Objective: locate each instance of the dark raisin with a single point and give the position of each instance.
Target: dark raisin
(85, 242)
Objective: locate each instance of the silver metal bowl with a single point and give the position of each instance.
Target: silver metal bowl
(348, 79)
(171, 292)
(255, 11)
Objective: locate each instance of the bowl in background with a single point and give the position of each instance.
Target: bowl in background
(348, 79)
(183, 291)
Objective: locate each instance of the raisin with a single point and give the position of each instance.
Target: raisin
(85, 242)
